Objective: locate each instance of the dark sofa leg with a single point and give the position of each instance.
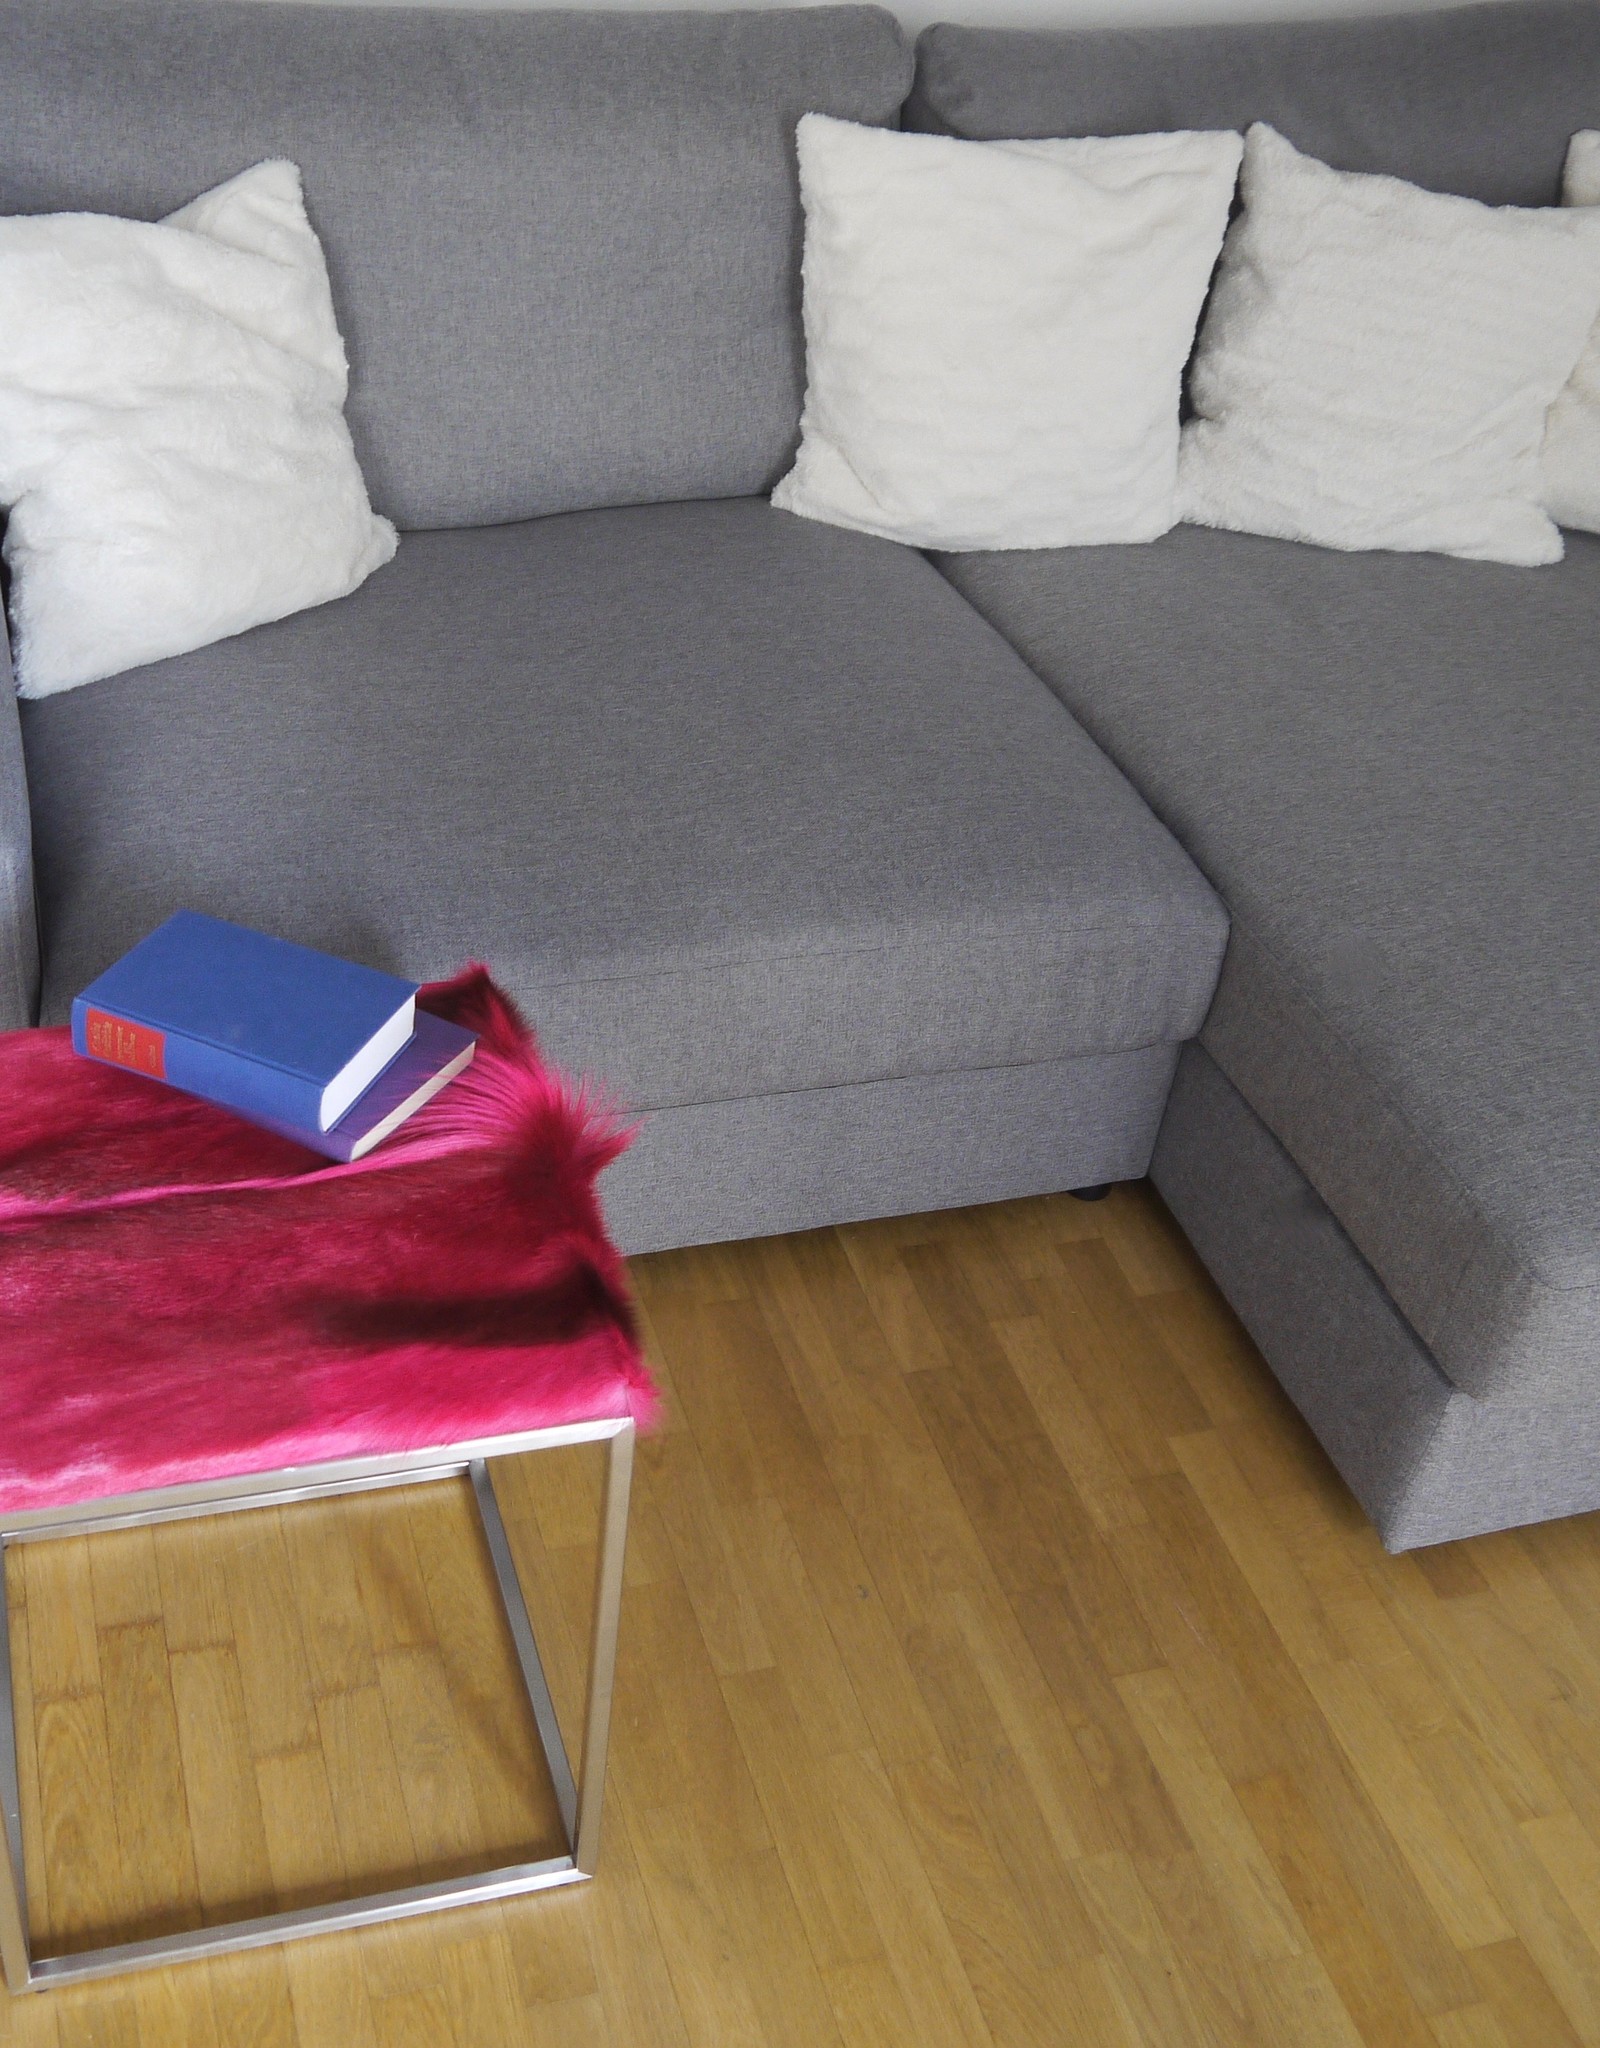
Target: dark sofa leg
(1090, 1194)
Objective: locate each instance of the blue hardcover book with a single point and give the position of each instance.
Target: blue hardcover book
(261, 1026)
(437, 1052)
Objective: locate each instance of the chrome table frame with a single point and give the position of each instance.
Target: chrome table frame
(579, 1802)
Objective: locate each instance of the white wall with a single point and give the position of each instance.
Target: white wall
(1042, 13)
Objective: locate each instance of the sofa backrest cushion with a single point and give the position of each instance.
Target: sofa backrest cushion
(1477, 100)
(564, 246)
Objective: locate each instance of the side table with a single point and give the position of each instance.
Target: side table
(197, 1317)
(578, 1801)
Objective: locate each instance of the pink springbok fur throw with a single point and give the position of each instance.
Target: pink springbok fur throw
(184, 1297)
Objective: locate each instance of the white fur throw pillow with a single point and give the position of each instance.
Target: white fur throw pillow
(1378, 362)
(1572, 435)
(173, 449)
(996, 331)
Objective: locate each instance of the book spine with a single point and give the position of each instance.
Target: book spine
(227, 1078)
(329, 1143)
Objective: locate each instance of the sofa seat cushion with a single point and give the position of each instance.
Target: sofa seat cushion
(733, 802)
(1390, 768)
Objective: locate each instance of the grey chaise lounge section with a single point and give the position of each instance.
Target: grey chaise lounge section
(1428, 1462)
(1389, 766)
(762, 822)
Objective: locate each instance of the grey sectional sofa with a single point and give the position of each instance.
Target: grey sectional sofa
(878, 884)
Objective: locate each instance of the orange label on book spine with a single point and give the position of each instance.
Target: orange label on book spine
(127, 1045)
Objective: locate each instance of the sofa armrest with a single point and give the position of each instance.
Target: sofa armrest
(19, 931)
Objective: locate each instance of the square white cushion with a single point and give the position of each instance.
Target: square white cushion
(1572, 434)
(1378, 361)
(996, 331)
(173, 448)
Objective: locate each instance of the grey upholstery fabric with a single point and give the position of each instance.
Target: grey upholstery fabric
(1426, 1461)
(1390, 767)
(19, 945)
(736, 803)
(563, 245)
(1479, 100)
(763, 1164)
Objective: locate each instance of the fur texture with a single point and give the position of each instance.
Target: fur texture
(185, 1297)
(1378, 362)
(173, 447)
(1572, 432)
(996, 331)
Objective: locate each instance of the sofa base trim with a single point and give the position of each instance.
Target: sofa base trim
(1429, 1463)
(763, 1165)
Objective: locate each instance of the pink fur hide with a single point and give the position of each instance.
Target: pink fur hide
(185, 1297)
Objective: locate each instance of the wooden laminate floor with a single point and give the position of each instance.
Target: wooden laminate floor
(1002, 1664)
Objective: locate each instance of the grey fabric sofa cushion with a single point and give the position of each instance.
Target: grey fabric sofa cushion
(1479, 100)
(736, 803)
(1389, 765)
(563, 245)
